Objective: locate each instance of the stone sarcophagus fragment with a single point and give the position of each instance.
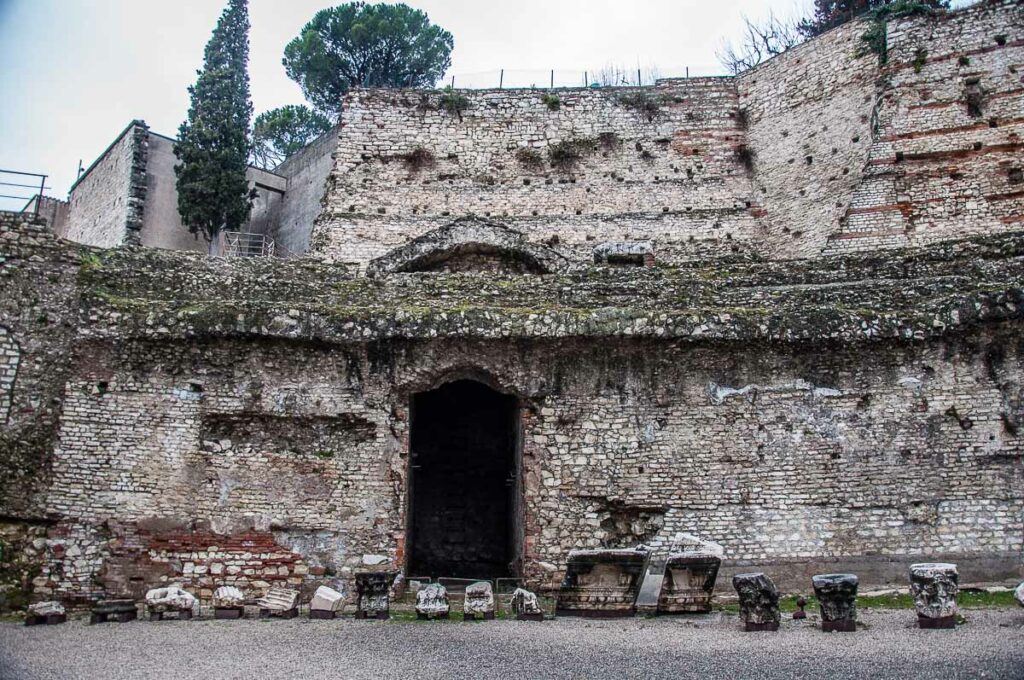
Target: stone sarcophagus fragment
(170, 600)
(373, 594)
(934, 586)
(837, 599)
(432, 602)
(690, 576)
(602, 582)
(759, 601)
(279, 602)
(479, 600)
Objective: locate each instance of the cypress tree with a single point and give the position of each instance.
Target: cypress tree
(213, 143)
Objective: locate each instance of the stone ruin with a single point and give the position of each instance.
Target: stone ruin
(170, 600)
(759, 601)
(432, 602)
(326, 603)
(525, 606)
(479, 601)
(934, 586)
(602, 582)
(837, 600)
(281, 603)
(454, 383)
(373, 594)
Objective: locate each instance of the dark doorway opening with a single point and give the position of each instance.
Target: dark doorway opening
(463, 485)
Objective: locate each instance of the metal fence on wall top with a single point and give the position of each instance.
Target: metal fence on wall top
(608, 76)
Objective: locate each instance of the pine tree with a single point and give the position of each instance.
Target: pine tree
(831, 13)
(213, 143)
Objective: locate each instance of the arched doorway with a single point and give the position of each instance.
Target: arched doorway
(463, 486)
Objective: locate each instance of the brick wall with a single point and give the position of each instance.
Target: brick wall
(945, 159)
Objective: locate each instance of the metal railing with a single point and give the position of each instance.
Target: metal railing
(607, 76)
(242, 244)
(12, 182)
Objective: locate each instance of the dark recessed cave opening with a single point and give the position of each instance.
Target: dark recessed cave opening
(462, 482)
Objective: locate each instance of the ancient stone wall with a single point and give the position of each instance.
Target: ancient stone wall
(107, 201)
(571, 168)
(9, 357)
(39, 309)
(209, 439)
(808, 114)
(945, 161)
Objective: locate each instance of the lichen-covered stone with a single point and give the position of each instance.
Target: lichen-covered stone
(837, 599)
(523, 602)
(45, 608)
(934, 586)
(432, 601)
(479, 599)
(759, 601)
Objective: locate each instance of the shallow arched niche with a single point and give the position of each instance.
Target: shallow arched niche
(470, 244)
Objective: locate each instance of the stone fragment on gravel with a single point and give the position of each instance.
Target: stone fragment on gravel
(228, 596)
(171, 598)
(432, 601)
(934, 586)
(759, 601)
(837, 600)
(326, 599)
(479, 600)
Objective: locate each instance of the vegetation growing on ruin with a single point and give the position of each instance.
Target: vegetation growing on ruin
(643, 102)
(920, 59)
(529, 158)
(418, 159)
(609, 141)
(453, 102)
(567, 154)
(875, 38)
(552, 101)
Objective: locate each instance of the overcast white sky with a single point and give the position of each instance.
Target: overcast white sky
(73, 73)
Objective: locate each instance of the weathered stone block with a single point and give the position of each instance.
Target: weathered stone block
(479, 600)
(759, 601)
(432, 602)
(602, 582)
(837, 599)
(934, 586)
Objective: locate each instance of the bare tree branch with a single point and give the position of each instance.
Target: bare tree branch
(760, 41)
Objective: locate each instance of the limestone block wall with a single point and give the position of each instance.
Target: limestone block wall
(252, 464)
(39, 312)
(808, 114)
(108, 200)
(945, 161)
(658, 164)
(9, 357)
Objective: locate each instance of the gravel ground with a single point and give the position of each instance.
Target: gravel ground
(990, 645)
